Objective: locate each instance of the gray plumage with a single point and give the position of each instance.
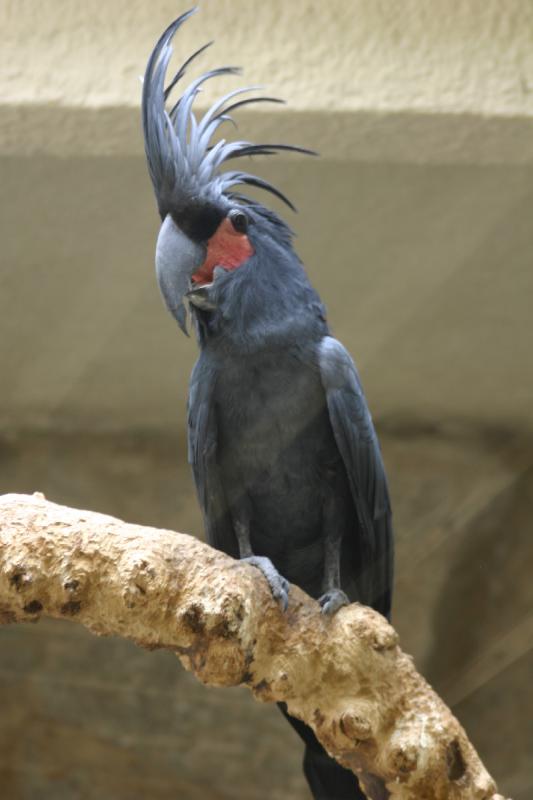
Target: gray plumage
(285, 457)
(182, 163)
(280, 436)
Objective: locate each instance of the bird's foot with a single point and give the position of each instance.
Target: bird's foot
(331, 601)
(278, 585)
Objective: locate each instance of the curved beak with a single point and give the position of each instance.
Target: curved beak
(177, 258)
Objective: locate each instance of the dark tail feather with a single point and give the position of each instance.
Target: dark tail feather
(326, 778)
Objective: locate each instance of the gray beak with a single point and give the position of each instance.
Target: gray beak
(176, 259)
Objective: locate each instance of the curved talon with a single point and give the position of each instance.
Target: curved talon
(279, 586)
(331, 601)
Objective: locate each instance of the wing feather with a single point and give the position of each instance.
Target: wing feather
(359, 448)
(202, 441)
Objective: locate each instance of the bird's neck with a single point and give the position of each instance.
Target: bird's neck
(266, 304)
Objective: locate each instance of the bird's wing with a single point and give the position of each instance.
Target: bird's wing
(202, 446)
(359, 448)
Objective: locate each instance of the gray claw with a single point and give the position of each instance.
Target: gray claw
(331, 601)
(279, 586)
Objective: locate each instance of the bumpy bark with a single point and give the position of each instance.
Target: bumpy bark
(345, 676)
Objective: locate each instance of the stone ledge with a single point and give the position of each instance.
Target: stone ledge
(403, 136)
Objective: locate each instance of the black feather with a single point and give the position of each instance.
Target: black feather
(182, 162)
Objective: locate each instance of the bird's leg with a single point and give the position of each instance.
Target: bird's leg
(278, 585)
(333, 597)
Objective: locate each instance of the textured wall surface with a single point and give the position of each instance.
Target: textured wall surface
(474, 55)
(406, 79)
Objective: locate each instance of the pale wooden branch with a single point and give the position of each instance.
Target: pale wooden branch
(344, 676)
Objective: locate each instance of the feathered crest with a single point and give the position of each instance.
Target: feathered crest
(183, 164)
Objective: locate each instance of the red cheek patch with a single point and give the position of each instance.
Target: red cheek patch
(226, 248)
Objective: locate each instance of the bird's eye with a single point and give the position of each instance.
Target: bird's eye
(239, 220)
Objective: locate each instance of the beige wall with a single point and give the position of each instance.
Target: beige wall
(415, 223)
(426, 273)
(416, 80)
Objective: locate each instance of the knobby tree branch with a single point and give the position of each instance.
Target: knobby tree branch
(345, 676)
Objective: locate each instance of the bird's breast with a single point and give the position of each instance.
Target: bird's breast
(267, 408)
(275, 447)
(274, 437)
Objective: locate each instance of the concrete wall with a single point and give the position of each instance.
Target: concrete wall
(421, 80)
(415, 225)
(426, 273)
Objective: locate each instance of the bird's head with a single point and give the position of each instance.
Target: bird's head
(207, 225)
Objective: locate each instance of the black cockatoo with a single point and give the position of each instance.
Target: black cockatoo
(284, 453)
